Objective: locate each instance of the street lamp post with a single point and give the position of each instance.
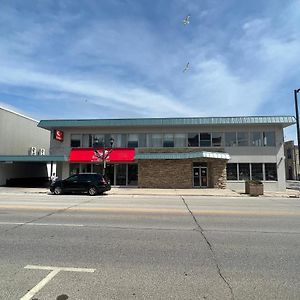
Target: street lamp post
(297, 122)
(105, 152)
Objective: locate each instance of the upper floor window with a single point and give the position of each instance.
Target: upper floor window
(98, 140)
(168, 140)
(269, 138)
(180, 140)
(75, 140)
(217, 139)
(133, 140)
(155, 140)
(255, 138)
(243, 139)
(289, 153)
(205, 139)
(193, 140)
(230, 139)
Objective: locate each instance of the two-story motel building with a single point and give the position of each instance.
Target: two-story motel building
(174, 152)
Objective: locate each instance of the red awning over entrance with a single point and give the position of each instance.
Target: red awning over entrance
(115, 155)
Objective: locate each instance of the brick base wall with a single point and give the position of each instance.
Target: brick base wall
(179, 173)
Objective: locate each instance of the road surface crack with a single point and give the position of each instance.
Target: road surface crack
(210, 249)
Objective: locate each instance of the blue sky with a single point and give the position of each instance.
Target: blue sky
(125, 58)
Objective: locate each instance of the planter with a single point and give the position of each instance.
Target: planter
(254, 188)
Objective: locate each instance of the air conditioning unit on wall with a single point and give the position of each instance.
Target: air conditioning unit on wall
(32, 150)
(42, 151)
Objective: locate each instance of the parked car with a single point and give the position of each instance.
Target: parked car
(91, 183)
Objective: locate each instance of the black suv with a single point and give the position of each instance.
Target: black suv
(91, 183)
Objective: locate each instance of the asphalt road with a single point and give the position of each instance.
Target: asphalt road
(149, 247)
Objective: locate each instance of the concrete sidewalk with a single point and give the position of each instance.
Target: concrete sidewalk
(289, 193)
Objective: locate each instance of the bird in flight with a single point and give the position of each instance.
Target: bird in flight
(186, 67)
(186, 20)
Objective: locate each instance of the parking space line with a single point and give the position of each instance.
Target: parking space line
(54, 272)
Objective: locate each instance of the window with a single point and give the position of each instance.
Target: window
(230, 139)
(142, 140)
(217, 139)
(86, 140)
(289, 153)
(98, 140)
(271, 171)
(205, 139)
(257, 171)
(133, 140)
(168, 140)
(244, 171)
(231, 171)
(193, 140)
(74, 169)
(155, 140)
(180, 140)
(255, 139)
(269, 138)
(243, 138)
(132, 174)
(117, 140)
(75, 140)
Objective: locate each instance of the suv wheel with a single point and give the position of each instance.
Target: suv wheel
(57, 190)
(92, 191)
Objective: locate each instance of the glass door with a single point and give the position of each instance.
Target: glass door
(200, 176)
(203, 175)
(196, 176)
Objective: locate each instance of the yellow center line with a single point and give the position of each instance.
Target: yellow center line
(204, 212)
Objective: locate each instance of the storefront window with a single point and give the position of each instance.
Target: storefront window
(217, 139)
(180, 140)
(257, 171)
(231, 171)
(244, 172)
(271, 171)
(168, 140)
(269, 138)
(255, 138)
(230, 139)
(243, 138)
(121, 174)
(193, 140)
(205, 139)
(132, 174)
(75, 140)
(74, 169)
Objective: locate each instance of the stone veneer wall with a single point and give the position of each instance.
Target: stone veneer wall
(178, 173)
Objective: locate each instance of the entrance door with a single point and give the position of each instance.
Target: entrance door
(200, 176)
(203, 175)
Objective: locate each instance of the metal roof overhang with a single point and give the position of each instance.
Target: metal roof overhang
(33, 158)
(284, 121)
(200, 154)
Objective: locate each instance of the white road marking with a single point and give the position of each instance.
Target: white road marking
(42, 224)
(54, 271)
